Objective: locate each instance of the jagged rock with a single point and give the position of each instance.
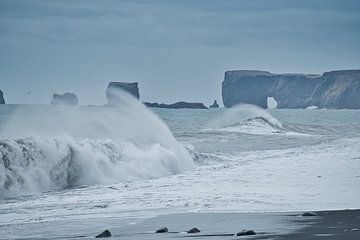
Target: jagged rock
(246, 233)
(162, 230)
(2, 100)
(309, 214)
(336, 89)
(177, 105)
(64, 99)
(112, 95)
(104, 234)
(214, 105)
(193, 230)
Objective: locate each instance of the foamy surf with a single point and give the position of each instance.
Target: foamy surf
(249, 119)
(61, 147)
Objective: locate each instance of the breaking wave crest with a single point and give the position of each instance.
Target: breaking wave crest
(249, 119)
(60, 147)
(34, 165)
(255, 125)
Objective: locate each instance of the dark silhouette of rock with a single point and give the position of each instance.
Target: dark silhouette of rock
(104, 234)
(193, 230)
(336, 89)
(112, 94)
(309, 214)
(162, 230)
(176, 105)
(214, 105)
(246, 233)
(2, 100)
(64, 99)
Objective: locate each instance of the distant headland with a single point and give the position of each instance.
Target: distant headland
(336, 89)
(133, 89)
(2, 100)
(333, 90)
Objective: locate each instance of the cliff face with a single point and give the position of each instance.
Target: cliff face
(336, 89)
(64, 99)
(2, 100)
(131, 88)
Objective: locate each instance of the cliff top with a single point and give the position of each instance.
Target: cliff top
(254, 73)
(117, 84)
(353, 72)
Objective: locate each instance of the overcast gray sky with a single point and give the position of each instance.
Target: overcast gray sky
(176, 50)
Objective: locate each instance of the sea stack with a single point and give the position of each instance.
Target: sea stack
(112, 96)
(336, 89)
(64, 99)
(214, 105)
(2, 100)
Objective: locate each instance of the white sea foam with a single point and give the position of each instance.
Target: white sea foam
(312, 108)
(46, 148)
(294, 179)
(248, 119)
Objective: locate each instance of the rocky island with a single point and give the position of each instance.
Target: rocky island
(64, 99)
(177, 105)
(131, 88)
(214, 105)
(335, 89)
(2, 100)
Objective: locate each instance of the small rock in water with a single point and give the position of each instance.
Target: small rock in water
(193, 230)
(162, 230)
(104, 234)
(309, 214)
(246, 233)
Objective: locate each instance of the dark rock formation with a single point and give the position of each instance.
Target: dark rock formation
(112, 95)
(64, 99)
(176, 105)
(104, 234)
(246, 233)
(162, 230)
(309, 214)
(214, 105)
(337, 89)
(193, 230)
(2, 100)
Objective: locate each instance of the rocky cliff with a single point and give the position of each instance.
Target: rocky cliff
(64, 99)
(112, 96)
(2, 100)
(336, 89)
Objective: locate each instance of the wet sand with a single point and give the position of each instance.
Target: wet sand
(329, 225)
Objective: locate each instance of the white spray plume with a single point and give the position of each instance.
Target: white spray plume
(54, 147)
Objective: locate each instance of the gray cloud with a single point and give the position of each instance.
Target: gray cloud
(177, 50)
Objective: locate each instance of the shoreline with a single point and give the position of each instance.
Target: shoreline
(332, 225)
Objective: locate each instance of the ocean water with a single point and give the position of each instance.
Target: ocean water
(92, 167)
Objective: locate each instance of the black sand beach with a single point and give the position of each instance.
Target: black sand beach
(332, 225)
(329, 225)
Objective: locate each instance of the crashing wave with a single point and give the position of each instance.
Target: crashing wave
(249, 119)
(255, 125)
(61, 147)
(34, 165)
